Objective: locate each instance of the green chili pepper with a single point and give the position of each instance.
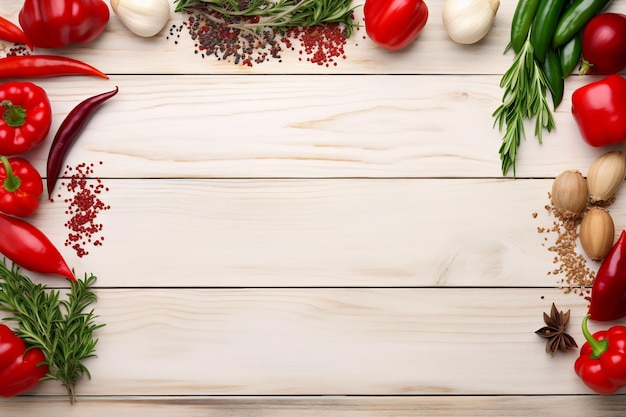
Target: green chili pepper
(574, 18)
(570, 54)
(543, 26)
(552, 70)
(522, 20)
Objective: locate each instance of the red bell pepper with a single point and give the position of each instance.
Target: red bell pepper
(22, 187)
(25, 117)
(57, 23)
(599, 109)
(602, 361)
(608, 293)
(394, 24)
(20, 369)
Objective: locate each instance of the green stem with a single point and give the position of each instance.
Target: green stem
(12, 182)
(598, 347)
(15, 116)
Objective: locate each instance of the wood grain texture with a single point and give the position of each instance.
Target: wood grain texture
(298, 240)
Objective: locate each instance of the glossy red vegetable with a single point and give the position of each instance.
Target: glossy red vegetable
(21, 187)
(20, 369)
(29, 248)
(394, 24)
(41, 66)
(602, 361)
(9, 31)
(57, 23)
(599, 109)
(25, 117)
(68, 133)
(608, 293)
(604, 44)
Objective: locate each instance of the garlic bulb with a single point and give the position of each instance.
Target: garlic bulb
(569, 193)
(468, 21)
(142, 17)
(597, 233)
(606, 175)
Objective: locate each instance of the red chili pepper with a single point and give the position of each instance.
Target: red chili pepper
(41, 66)
(20, 368)
(29, 248)
(599, 109)
(602, 361)
(57, 23)
(21, 187)
(68, 133)
(608, 293)
(394, 24)
(25, 117)
(9, 31)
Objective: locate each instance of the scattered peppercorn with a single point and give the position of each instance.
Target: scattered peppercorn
(84, 206)
(223, 38)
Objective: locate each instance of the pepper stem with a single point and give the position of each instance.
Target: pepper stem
(598, 347)
(12, 182)
(15, 116)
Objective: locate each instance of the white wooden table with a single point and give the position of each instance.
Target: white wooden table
(296, 240)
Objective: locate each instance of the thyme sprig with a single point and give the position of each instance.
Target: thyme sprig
(524, 98)
(279, 13)
(62, 328)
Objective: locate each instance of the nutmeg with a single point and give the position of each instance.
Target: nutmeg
(606, 175)
(597, 233)
(569, 193)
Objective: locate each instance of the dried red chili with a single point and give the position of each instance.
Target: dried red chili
(68, 133)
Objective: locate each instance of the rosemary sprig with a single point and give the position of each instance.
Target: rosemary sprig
(279, 13)
(524, 98)
(61, 328)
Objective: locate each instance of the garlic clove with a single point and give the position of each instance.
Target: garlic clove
(469, 21)
(597, 233)
(569, 193)
(606, 175)
(144, 18)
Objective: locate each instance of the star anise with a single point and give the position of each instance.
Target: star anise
(554, 331)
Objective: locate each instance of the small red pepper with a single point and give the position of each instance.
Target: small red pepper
(68, 133)
(394, 24)
(20, 368)
(30, 248)
(41, 66)
(599, 109)
(602, 361)
(57, 23)
(9, 31)
(22, 187)
(608, 293)
(25, 117)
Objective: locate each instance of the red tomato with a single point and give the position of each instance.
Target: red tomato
(604, 44)
(394, 24)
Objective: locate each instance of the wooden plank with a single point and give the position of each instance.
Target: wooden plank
(117, 51)
(406, 406)
(350, 232)
(306, 126)
(329, 342)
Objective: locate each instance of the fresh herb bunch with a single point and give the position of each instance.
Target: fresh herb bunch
(279, 13)
(525, 87)
(61, 328)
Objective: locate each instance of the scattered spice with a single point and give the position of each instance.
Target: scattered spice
(569, 264)
(228, 39)
(554, 331)
(84, 206)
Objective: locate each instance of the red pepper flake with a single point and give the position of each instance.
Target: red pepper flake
(220, 37)
(84, 206)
